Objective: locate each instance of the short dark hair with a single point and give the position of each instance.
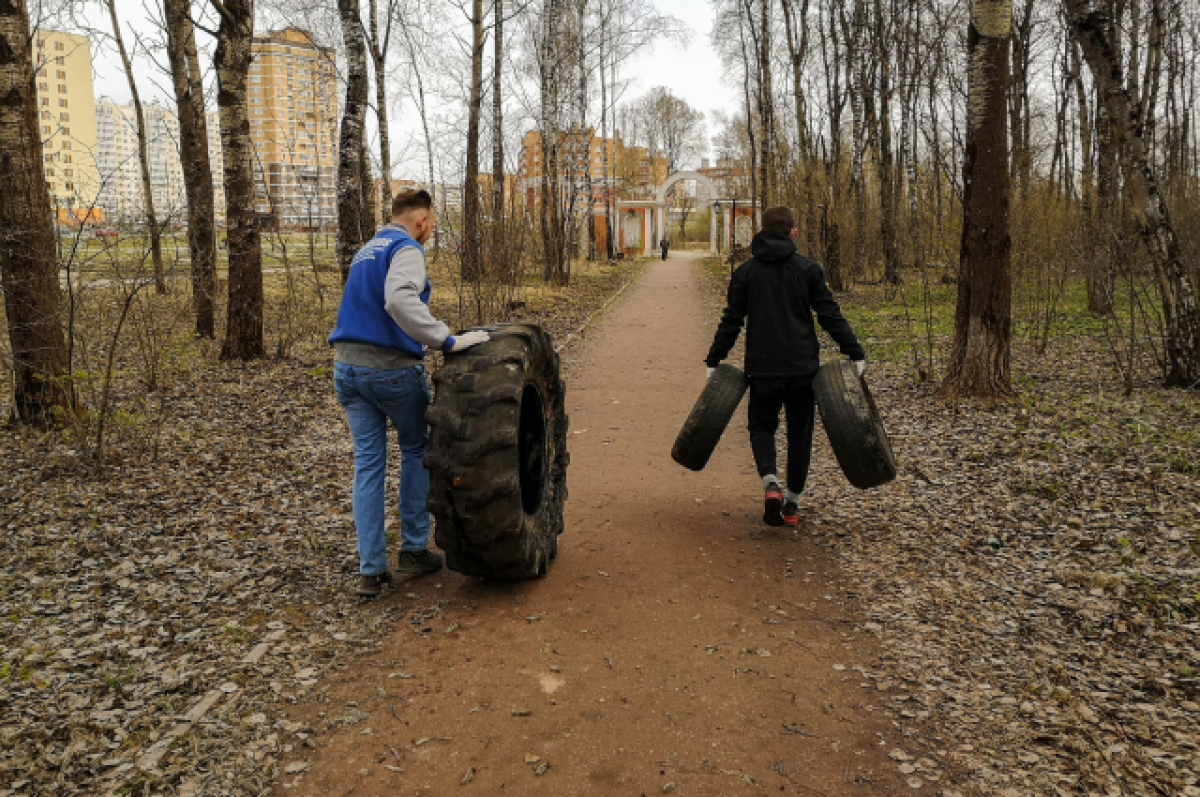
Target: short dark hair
(779, 219)
(411, 200)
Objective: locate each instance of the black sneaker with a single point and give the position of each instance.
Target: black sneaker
(370, 586)
(791, 514)
(418, 563)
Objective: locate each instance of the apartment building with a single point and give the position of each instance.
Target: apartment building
(216, 162)
(293, 106)
(630, 172)
(67, 123)
(119, 166)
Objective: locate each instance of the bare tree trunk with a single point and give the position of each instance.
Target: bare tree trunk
(755, 176)
(498, 114)
(830, 227)
(423, 111)
(856, 85)
(244, 326)
(379, 48)
(160, 282)
(469, 266)
(887, 176)
(553, 239)
(609, 248)
(1093, 29)
(1019, 111)
(767, 106)
(352, 215)
(797, 47)
(979, 361)
(28, 262)
(187, 80)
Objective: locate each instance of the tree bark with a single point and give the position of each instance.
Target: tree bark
(979, 361)
(160, 282)
(379, 49)
(1019, 111)
(353, 219)
(28, 262)
(830, 227)
(244, 325)
(887, 175)
(1093, 28)
(498, 115)
(186, 79)
(469, 267)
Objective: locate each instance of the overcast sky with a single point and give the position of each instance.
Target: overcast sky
(691, 71)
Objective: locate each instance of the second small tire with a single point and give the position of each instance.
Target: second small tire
(853, 426)
(498, 455)
(710, 416)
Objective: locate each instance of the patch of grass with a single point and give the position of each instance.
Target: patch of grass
(1185, 462)
(1175, 599)
(1048, 488)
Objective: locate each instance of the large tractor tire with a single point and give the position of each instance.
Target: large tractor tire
(853, 425)
(712, 413)
(498, 455)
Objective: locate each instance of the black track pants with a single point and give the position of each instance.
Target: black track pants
(767, 396)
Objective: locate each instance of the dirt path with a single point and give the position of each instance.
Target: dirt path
(676, 645)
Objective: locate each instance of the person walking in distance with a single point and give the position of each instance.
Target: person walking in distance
(383, 329)
(665, 246)
(775, 295)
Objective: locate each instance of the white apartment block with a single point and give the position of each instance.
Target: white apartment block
(119, 167)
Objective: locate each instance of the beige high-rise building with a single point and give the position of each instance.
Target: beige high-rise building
(67, 123)
(216, 162)
(294, 126)
(119, 166)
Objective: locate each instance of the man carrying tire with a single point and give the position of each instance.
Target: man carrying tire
(775, 294)
(384, 326)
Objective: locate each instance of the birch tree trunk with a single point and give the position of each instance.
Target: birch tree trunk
(353, 220)
(469, 267)
(186, 79)
(979, 360)
(244, 325)
(1093, 28)
(28, 262)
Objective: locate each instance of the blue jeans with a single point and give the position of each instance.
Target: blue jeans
(371, 398)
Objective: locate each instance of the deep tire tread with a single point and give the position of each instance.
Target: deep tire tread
(475, 493)
(709, 417)
(852, 423)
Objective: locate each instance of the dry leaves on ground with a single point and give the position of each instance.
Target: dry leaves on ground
(153, 618)
(1033, 575)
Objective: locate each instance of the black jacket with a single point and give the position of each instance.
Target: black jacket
(779, 290)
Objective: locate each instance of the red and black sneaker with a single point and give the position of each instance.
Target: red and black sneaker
(791, 514)
(773, 504)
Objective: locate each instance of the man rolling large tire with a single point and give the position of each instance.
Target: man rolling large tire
(498, 455)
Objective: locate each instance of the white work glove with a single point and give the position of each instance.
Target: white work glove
(711, 371)
(466, 341)
(860, 367)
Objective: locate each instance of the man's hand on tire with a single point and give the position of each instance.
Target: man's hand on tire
(860, 367)
(467, 340)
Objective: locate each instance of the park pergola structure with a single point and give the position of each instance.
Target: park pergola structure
(642, 223)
